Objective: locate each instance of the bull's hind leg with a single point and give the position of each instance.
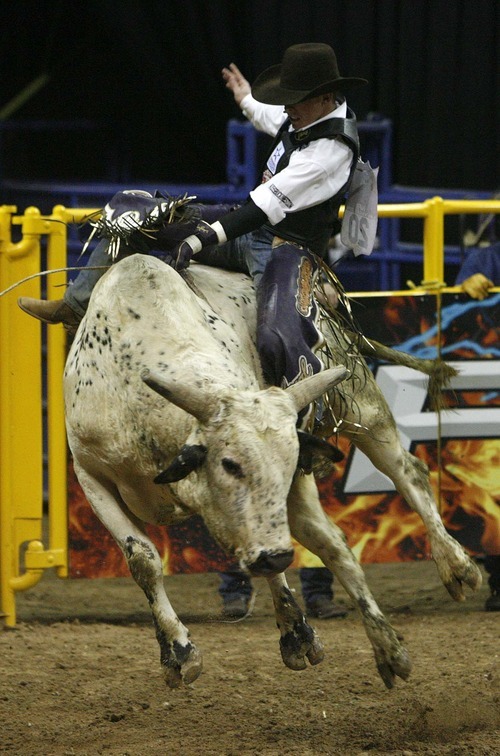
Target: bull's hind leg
(299, 640)
(312, 528)
(180, 659)
(411, 479)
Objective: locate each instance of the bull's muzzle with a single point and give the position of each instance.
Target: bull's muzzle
(270, 564)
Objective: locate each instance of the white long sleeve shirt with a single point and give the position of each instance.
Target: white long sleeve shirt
(314, 173)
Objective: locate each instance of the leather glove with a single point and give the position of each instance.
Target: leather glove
(204, 236)
(236, 222)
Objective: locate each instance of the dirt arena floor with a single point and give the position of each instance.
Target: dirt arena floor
(80, 675)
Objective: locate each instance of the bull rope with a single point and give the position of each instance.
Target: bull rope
(48, 272)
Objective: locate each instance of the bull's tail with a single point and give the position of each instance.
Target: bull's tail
(439, 372)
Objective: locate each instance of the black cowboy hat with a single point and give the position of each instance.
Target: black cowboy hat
(307, 70)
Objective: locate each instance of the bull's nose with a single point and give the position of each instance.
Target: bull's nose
(270, 564)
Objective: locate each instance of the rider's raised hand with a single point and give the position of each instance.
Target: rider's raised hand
(236, 82)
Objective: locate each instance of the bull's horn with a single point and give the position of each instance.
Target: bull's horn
(189, 395)
(306, 391)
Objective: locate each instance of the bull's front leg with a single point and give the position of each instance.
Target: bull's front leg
(312, 528)
(299, 640)
(180, 659)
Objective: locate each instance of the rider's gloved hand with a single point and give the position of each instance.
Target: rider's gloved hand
(236, 222)
(205, 235)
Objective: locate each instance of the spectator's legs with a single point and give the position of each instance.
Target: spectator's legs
(316, 581)
(317, 592)
(235, 589)
(492, 567)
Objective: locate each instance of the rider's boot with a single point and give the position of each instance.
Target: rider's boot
(52, 311)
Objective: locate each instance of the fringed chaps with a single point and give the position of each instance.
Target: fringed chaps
(287, 332)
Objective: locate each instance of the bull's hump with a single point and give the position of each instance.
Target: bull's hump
(142, 314)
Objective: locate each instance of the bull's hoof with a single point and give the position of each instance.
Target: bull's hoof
(391, 657)
(316, 653)
(397, 664)
(299, 645)
(458, 573)
(470, 575)
(183, 667)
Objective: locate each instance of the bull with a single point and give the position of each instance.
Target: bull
(168, 416)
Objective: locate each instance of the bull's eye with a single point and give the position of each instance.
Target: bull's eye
(232, 468)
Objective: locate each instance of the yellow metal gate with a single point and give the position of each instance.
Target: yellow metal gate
(22, 443)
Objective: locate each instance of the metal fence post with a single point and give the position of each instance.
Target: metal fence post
(21, 461)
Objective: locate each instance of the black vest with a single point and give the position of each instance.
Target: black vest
(314, 226)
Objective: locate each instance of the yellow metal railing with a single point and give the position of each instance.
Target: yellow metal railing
(433, 212)
(21, 426)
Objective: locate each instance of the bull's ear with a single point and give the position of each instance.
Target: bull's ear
(310, 447)
(190, 457)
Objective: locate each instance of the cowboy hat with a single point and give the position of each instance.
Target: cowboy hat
(307, 70)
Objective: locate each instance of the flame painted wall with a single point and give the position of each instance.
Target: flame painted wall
(378, 524)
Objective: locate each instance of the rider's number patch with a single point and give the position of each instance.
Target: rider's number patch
(359, 225)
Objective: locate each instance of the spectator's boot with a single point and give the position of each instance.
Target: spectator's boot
(493, 602)
(323, 607)
(237, 607)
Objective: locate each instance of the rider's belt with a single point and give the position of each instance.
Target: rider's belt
(278, 241)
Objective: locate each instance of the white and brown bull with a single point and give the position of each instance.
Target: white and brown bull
(167, 416)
